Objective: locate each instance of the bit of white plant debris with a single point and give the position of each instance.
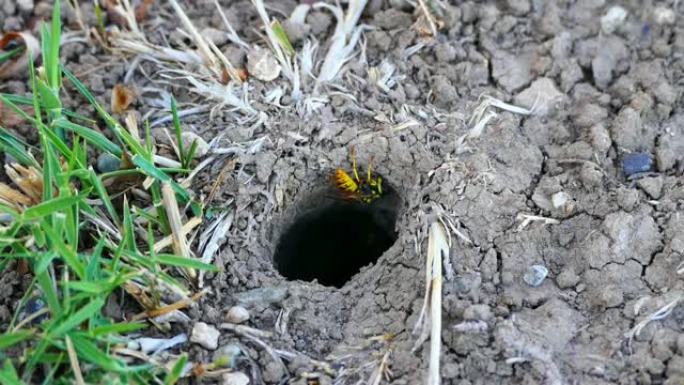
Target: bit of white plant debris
(426, 18)
(528, 351)
(213, 57)
(438, 249)
(225, 95)
(275, 45)
(156, 345)
(343, 41)
(383, 76)
(482, 116)
(298, 15)
(659, 314)
(528, 218)
(489, 101)
(383, 370)
(232, 35)
(478, 326)
(212, 238)
(411, 50)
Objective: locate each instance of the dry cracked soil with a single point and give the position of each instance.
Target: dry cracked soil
(607, 102)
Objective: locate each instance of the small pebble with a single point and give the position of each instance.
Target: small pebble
(214, 35)
(662, 16)
(234, 378)
(262, 295)
(107, 162)
(636, 163)
(237, 315)
(25, 5)
(613, 18)
(33, 305)
(202, 146)
(205, 335)
(559, 199)
(535, 275)
(227, 356)
(262, 65)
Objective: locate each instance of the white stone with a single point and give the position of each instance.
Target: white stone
(662, 15)
(234, 378)
(542, 96)
(214, 35)
(559, 199)
(262, 64)
(25, 5)
(613, 19)
(237, 315)
(205, 335)
(600, 138)
(202, 145)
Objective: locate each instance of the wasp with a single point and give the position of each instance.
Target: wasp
(365, 190)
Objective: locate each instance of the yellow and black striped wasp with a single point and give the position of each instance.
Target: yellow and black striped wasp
(364, 190)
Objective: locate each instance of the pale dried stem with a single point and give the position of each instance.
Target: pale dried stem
(438, 247)
(180, 245)
(73, 359)
(185, 230)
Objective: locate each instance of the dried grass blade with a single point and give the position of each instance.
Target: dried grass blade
(180, 244)
(438, 248)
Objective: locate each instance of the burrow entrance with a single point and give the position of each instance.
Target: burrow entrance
(333, 238)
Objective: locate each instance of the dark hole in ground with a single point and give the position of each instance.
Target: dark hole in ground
(331, 242)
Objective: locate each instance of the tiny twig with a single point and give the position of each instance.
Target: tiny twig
(183, 303)
(185, 230)
(73, 359)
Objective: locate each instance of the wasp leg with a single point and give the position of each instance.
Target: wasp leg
(369, 178)
(353, 156)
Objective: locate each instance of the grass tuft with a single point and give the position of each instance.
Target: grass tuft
(81, 244)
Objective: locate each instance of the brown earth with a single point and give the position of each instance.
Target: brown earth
(612, 256)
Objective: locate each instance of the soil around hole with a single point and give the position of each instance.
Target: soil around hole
(330, 243)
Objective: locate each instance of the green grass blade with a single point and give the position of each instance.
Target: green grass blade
(12, 146)
(175, 373)
(89, 351)
(52, 206)
(54, 75)
(177, 129)
(9, 339)
(122, 134)
(16, 51)
(93, 137)
(283, 40)
(18, 99)
(154, 172)
(128, 230)
(49, 293)
(89, 287)
(117, 328)
(8, 375)
(104, 196)
(173, 260)
(44, 261)
(67, 253)
(77, 318)
(48, 97)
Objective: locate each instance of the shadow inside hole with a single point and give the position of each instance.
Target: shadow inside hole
(330, 243)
